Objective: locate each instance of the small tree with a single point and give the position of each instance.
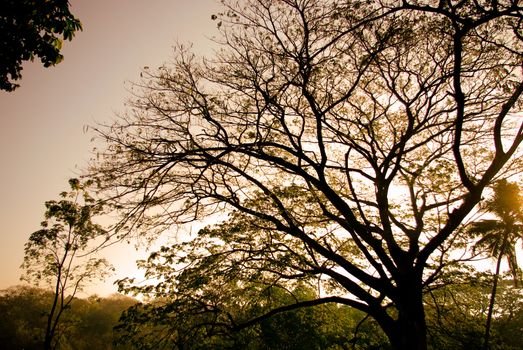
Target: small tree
(59, 255)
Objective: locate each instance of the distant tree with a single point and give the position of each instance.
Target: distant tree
(341, 143)
(455, 311)
(23, 317)
(59, 255)
(96, 317)
(508, 321)
(499, 237)
(29, 29)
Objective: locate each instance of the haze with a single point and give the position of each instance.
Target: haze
(43, 142)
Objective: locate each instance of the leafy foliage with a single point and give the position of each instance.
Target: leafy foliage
(456, 315)
(159, 324)
(29, 29)
(60, 254)
(455, 318)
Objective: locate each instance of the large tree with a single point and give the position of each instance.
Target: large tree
(341, 142)
(29, 29)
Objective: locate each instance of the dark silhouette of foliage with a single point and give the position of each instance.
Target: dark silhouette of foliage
(29, 29)
(60, 255)
(336, 143)
(455, 315)
(327, 326)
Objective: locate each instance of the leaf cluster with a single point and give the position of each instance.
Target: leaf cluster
(29, 29)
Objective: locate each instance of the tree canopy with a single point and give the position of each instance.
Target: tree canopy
(336, 143)
(29, 29)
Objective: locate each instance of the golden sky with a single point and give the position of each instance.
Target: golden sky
(42, 142)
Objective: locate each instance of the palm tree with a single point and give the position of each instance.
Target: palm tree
(499, 236)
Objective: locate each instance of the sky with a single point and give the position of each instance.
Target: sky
(43, 141)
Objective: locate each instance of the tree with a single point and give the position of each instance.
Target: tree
(339, 143)
(454, 311)
(97, 316)
(30, 28)
(499, 237)
(509, 318)
(60, 254)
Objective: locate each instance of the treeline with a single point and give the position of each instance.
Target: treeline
(455, 320)
(86, 324)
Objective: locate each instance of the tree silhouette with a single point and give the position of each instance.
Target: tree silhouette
(59, 254)
(499, 237)
(30, 29)
(338, 143)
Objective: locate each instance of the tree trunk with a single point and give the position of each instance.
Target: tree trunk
(409, 330)
(51, 322)
(47, 342)
(412, 329)
(494, 290)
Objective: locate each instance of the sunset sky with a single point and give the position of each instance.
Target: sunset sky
(43, 139)
(43, 142)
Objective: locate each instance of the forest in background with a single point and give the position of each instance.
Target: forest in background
(87, 324)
